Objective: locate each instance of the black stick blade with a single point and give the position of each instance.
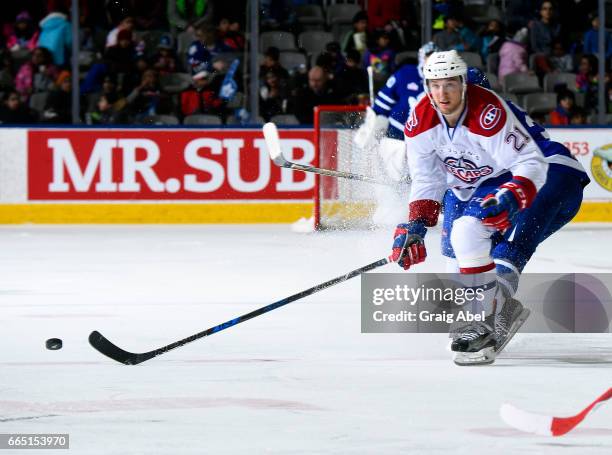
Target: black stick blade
(101, 344)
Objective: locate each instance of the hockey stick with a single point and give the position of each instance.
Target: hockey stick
(370, 71)
(106, 347)
(274, 149)
(547, 425)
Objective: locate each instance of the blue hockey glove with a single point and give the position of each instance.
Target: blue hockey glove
(499, 209)
(408, 244)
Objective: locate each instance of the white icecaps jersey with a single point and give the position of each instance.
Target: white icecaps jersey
(487, 141)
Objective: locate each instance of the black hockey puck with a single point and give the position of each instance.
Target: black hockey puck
(54, 344)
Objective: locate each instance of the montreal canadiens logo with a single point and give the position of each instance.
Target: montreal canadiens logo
(465, 170)
(490, 117)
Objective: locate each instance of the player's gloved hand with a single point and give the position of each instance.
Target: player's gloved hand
(372, 130)
(408, 244)
(499, 209)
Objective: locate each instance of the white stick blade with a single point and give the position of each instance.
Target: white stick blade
(526, 421)
(270, 133)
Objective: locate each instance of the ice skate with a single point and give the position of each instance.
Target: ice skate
(509, 320)
(474, 344)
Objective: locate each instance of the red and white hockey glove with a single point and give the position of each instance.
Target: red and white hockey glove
(499, 209)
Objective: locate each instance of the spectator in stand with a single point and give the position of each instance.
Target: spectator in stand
(449, 38)
(36, 75)
(381, 58)
(513, 55)
(358, 38)
(560, 60)
(202, 51)
(148, 98)
(334, 60)
(132, 80)
(127, 23)
(469, 41)
(545, 30)
(13, 111)
(164, 60)
(491, 38)
(199, 58)
(108, 86)
(109, 110)
(352, 82)
(271, 64)
(565, 105)
(591, 39)
(120, 58)
(56, 35)
(578, 117)
(189, 14)
(274, 96)
(58, 108)
(23, 35)
(230, 35)
(587, 78)
(319, 91)
(543, 33)
(7, 76)
(202, 97)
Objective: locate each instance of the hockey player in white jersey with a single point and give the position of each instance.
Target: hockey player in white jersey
(505, 188)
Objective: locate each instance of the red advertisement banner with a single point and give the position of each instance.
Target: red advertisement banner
(165, 165)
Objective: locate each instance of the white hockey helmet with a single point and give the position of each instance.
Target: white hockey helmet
(441, 65)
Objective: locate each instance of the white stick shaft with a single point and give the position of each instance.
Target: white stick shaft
(271, 137)
(371, 84)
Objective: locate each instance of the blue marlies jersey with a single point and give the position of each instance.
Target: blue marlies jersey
(401, 91)
(554, 152)
(397, 96)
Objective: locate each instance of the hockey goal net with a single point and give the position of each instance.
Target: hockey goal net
(342, 203)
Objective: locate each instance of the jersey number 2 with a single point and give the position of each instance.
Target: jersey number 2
(517, 138)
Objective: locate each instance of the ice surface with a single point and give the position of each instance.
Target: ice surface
(299, 380)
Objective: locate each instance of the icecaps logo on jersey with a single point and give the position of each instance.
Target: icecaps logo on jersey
(466, 170)
(490, 117)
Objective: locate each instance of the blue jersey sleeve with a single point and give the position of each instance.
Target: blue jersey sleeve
(387, 97)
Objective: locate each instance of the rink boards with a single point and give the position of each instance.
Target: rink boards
(196, 175)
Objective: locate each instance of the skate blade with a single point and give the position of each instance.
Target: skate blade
(514, 328)
(485, 356)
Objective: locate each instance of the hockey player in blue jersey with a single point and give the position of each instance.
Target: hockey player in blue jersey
(383, 131)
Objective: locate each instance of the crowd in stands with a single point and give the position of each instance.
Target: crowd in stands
(183, 61)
